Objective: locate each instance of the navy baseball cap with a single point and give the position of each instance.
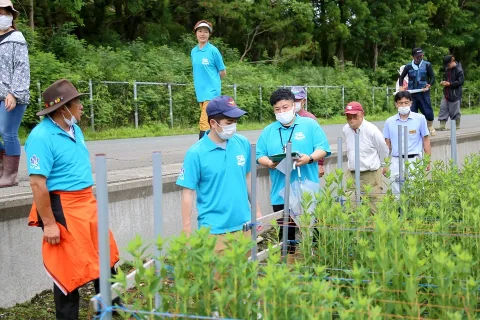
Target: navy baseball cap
(224, 105)
(299, 93)
(417, 52)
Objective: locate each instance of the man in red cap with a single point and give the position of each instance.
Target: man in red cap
(373, 151)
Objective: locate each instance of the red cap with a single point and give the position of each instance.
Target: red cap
(353, 107)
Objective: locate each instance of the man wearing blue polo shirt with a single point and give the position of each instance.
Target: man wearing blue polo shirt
(64, 205)
(208, 70)
(307, 138)
(418, 137)
(217, 168)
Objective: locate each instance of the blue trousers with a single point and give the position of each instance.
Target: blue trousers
(421, 101)
(9, 125)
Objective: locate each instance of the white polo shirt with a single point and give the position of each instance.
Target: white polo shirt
(373, 149)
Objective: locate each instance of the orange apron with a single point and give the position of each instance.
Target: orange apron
(75, 260)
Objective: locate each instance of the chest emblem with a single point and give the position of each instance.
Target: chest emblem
(241, 160)
(299, 136)
(205, 62)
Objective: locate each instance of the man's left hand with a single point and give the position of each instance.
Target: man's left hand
(303, 160)
(321, 171)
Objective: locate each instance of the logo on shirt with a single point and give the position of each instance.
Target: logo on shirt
(205, 62)
(181, 176)
(241, 160)
(299, 136)
(412, 131)
(35, 162)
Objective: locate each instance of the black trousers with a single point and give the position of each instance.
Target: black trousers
(292, 227)
(67, 306)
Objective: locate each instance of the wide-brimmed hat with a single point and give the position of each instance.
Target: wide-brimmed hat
(8, 3)
(57, 95)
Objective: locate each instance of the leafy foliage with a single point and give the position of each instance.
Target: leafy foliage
(422, 263)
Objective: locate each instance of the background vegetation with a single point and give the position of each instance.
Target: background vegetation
(356, 43)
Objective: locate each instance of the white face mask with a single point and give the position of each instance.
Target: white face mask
(298, 107)
(5, 22)
(404, 110)
(285, 117)
(227, 131)
(72, 120)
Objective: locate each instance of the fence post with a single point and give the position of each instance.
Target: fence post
(373, 97)
(405, 150)
(453, 141)
(261, 102)
(39, 88)
(235, 92)
(253, 200)
(469, 102)
(170, 101)
(435, 99)
(340, 166)
(400, 158)
(343, 97)
(90, 91)
(357, 167)
(135, 103)
(157, 216)
(286, 207)
(306, 97)
(388, 99)
(103, 234)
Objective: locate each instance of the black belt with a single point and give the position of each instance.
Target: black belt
(411, 156)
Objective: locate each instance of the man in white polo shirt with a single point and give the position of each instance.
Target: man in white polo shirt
(373, 151)
(418, 136)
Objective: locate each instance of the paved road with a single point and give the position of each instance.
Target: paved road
(137, 153)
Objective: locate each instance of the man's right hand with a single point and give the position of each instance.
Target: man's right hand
(384, 171)
(51, 233)
(272, 165)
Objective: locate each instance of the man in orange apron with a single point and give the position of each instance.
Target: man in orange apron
(64, 205)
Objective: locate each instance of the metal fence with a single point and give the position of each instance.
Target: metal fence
(167, 103)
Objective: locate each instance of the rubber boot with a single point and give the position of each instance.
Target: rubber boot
(457, 122)
(10, 171)
(1, 162)
(201, 134)
(431, 128)
(443, 123)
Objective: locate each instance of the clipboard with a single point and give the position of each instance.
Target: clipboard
(280, 156)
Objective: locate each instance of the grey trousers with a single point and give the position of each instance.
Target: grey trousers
(449, 109)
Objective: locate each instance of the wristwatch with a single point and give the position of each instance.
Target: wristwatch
(311, 160)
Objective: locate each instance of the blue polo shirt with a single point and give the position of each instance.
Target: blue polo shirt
(218, 176)
(306, 137)
(417, 129)
(64, 161)
(207, 63)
